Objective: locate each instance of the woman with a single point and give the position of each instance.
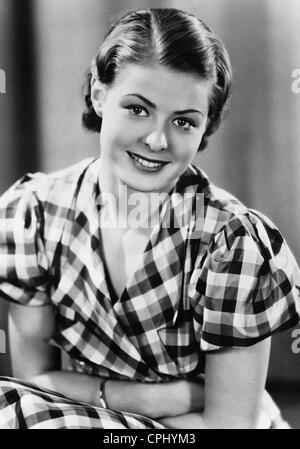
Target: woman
(135, 265)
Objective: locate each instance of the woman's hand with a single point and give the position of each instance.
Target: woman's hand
(188, 421)
(181, 397)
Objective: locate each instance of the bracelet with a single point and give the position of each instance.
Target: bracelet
(101, 393)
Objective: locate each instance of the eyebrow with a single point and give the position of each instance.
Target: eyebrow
(152, 105)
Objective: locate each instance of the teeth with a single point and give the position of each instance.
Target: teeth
(147, 163)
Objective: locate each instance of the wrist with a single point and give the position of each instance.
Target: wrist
(102, 395)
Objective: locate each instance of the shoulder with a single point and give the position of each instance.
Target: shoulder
(234, 231)
(52, 190)
(224, 203)
(218, 211)
(241, 227)
(59, 183)
(246, 278)
(222, 211)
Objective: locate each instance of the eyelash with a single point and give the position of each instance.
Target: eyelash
(190, 123)
(132, 107)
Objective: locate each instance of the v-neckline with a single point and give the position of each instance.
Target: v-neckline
(108, 285)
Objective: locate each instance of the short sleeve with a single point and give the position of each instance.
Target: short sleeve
(23, 262)
(247, 286)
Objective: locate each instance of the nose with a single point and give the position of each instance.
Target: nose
(156, 140)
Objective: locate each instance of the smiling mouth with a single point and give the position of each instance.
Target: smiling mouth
(146, 164)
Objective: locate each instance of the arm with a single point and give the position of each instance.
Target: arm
(30, 328)
(34, 360)
(234, 385)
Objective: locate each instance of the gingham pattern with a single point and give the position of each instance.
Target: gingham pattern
(231, 281)
(23, 405)
(26, 406)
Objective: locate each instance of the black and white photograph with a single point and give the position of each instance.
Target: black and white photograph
(149, 216)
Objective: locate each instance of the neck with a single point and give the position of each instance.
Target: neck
(128, 208)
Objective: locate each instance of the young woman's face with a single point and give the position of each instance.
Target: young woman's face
(153, 120)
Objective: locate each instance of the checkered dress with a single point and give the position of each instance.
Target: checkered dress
(218, 274)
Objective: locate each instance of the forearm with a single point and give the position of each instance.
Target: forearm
(76, 386)
(120, 395)
(148, 399)
(156, 400)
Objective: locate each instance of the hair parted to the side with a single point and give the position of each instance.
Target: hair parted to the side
(172, 38)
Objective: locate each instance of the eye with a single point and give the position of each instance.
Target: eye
(136, 109)
(184, 123)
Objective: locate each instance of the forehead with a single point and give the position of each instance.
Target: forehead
(164, 87)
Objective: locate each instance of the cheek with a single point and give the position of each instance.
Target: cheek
(117, 130)
(185, 150)
(113, 139)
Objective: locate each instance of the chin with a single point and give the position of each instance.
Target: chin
(149, 182)
(147, 188)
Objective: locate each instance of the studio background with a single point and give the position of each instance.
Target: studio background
(46, 47)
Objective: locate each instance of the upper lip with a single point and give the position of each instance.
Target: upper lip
(147, 159)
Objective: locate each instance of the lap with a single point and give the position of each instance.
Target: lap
(25, 406)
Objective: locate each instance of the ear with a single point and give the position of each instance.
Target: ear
(97, 95)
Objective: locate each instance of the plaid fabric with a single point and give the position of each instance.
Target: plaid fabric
(233, 285)
(217, 276)
(26, 406)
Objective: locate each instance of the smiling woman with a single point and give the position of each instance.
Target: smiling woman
(153, 120)
(164, 326)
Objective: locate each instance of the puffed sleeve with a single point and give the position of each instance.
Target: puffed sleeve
(247, 286)
(23, 261)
